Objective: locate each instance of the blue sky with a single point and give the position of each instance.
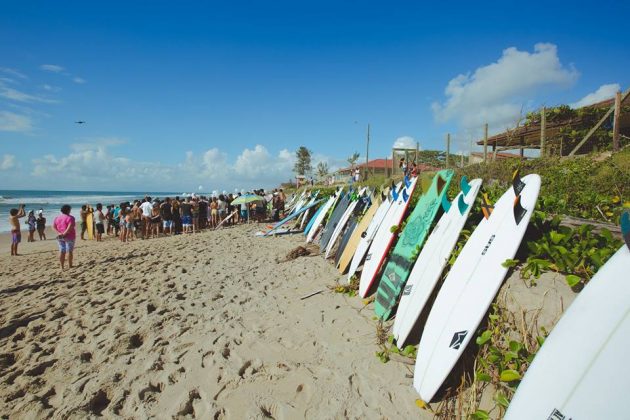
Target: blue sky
(220, 94)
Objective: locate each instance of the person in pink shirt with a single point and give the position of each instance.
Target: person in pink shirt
(64, 226)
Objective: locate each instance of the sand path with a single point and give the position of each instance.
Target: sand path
(205, 326)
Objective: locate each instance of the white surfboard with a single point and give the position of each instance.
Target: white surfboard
(432, 259)
(368, 236)
(342, 222)
(332, 201)
(384, 238)
(471, 285)
(306, 213)
(581, 371)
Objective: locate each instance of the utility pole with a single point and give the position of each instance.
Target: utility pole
(367, 152)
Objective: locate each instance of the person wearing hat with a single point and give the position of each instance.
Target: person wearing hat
(41, 225)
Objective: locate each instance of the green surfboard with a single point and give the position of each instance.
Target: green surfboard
(414, 234)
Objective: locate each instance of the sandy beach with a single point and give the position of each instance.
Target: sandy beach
(204, 326)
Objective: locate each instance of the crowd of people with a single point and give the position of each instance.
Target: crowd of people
(146, 218)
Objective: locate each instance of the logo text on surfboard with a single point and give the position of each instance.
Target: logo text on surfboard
(485, 248)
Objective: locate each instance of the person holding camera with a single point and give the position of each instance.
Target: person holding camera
(16, 233)
(64, 225)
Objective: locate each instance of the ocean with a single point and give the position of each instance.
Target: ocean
(51, 202)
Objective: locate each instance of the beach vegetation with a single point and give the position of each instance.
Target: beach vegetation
(322, 169)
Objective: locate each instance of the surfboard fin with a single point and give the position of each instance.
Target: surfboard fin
(395, 194)
(405, 195)
(486, 206)
(464, 185)
(461, 205)
(517, 182)
(446, 205)
(519, 211)
(625, 227)
(407, 181)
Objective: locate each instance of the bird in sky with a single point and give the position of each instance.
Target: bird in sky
(79, 122)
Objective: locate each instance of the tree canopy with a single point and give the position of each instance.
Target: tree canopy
(303, 163)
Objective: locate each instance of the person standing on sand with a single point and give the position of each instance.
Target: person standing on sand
(155, 220)
(195, 215)
(99, 222)
(186, 212)
(83, 213)
(64, 226)
(166, 211)
(177, 217)
(146, 208)
(14, 222)
(41, 225)
(214, 212)
(31, 221)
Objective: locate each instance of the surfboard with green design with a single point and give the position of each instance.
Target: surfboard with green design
(412, 237)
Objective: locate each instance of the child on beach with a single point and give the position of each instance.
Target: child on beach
(64, 226)
(14, 222)
(41, 225)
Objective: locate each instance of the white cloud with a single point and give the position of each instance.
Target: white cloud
(7, 162)
(494, 93)
(13, 72)
(78, 80)
(53, 68)
(10, 121)
(92, 164)
(259, 164)
(405, 142)
(604, 92)
(16, 95)
(50, 88)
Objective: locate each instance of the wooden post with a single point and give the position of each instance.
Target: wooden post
(393, 162)
(596, 126)
(543, 126)
(448, 149)
(616, 121)
(367, 152)
(485, 143)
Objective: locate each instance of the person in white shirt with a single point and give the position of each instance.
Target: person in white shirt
(147, 208)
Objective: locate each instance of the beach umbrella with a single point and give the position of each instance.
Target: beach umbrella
(247, 199)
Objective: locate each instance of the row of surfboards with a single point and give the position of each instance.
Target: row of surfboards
(366, 229)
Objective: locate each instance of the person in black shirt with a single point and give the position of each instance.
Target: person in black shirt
(167, 216)
(186, 213)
